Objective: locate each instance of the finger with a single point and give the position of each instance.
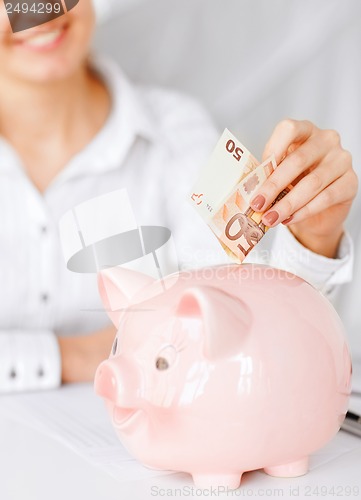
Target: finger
(343, 190)
(286, 133)
(304, 191)
(304, 157)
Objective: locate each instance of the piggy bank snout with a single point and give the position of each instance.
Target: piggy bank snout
(106, 385)
(118, 381)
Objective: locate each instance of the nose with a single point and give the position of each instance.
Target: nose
(105, 382)
(120, 381)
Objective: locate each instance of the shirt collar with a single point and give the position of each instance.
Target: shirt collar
(127, 109)
(129, 119)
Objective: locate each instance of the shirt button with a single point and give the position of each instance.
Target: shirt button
(44, 230)
(44, 297)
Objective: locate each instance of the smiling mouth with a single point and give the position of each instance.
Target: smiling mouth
(40, 40)
(124, 416)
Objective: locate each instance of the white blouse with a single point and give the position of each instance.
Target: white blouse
(153, 144)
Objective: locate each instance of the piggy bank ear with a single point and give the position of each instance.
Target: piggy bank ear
(117, 286)
(226, 319)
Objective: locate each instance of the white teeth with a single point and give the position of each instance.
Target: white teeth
(43, 39)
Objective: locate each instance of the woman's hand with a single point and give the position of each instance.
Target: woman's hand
(324, 181)
(81, 355)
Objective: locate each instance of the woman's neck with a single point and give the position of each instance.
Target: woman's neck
(48, 124)
(32, 110)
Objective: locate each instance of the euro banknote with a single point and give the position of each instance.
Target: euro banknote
(223, 193)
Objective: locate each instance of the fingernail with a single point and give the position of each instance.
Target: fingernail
(258, 202)
(271, 218)
(286, 221)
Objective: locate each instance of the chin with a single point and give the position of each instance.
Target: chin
(44, 74)
(54, 71)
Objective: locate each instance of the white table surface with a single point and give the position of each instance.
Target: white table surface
(36, 466)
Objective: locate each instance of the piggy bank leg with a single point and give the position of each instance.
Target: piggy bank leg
(292, 469)
(228, 481)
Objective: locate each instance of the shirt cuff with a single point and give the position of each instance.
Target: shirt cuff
(321, 272)
(29, 361)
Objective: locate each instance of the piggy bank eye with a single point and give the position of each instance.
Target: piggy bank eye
(161, 364)
(115, 346)
(166, 358)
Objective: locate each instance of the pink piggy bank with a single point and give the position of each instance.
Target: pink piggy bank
(229, 369)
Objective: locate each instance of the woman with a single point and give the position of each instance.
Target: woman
(72, 127)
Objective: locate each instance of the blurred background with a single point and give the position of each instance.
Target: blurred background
(251, 63)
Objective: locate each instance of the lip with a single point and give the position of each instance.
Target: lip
(47, 39)
(124, 417)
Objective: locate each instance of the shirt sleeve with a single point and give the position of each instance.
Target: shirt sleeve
(323, 273)
(29, 361)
